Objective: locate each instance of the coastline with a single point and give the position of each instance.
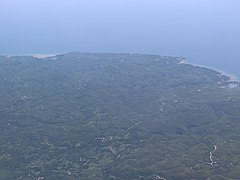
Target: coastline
(32, 55)
(232, 78)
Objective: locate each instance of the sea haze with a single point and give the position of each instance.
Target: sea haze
(205, 32)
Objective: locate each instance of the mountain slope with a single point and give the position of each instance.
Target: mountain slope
(117, 116)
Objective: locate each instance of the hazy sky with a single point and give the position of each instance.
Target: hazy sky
(205, 31)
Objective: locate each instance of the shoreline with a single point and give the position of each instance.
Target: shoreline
(232, 78)
(32, 55)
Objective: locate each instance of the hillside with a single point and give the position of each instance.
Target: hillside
(117, 117)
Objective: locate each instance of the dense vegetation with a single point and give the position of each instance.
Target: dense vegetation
(116, 117)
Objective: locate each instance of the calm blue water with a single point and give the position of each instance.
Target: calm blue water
(206, 32)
